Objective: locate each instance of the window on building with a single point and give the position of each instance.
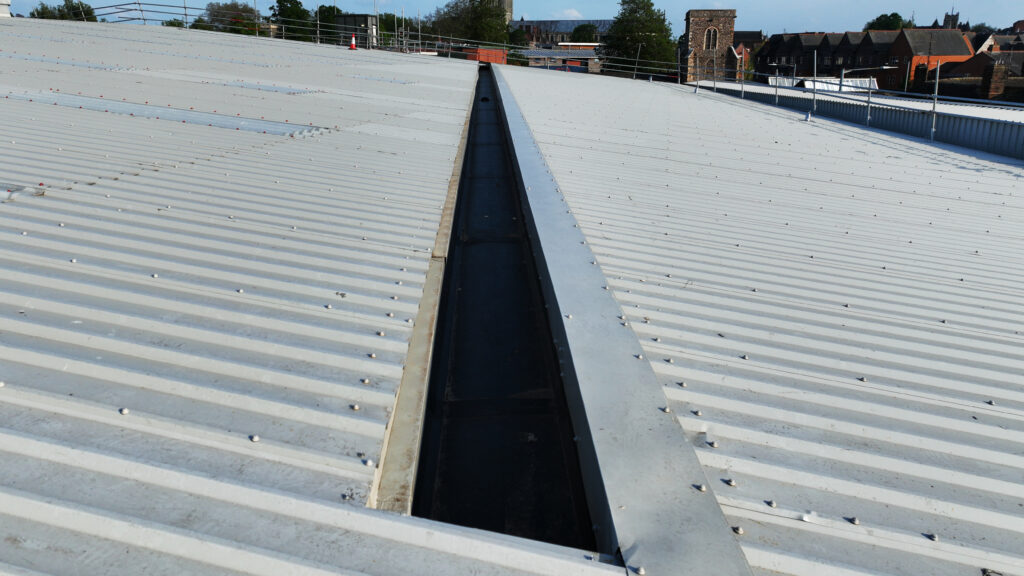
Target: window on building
(828, 60)
(711, 39)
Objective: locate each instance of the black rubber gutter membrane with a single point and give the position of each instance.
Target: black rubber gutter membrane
(498, 448)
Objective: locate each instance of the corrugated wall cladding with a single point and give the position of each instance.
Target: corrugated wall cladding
(837, 317)
(212, 251)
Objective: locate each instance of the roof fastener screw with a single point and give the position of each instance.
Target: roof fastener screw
(667, 409)
(328, 306)
(391, 314)
(569, 316)
(698, 413)
(365, 381)
(241, 291)
(61, 224)
(641, 571)
(681, 384)
(730, 482)
(863, 379)
(639, 356)
(254, 438)
(772, 504)
(990, 402)
(380, 333)
(73, 260)
(714, 444)
(670, 361)
(855, 521)
(368, 463)
(372, 355)
(702, 488)
(156, 275)
(738, 530)
(123, 411)
(932, 537)
(745, 357)
(355, 407)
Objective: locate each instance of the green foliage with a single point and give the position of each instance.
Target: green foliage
(584, 33)
(173, 23)
(640, 25)
(982, 28)
(477, 20)
(889, 22)
(518, 37)
(292, 18)
(325, 15)
(235, 17)
(69, 10)
(201, 23)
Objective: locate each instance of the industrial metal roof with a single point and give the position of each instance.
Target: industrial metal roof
(835, 316)
(214, 250)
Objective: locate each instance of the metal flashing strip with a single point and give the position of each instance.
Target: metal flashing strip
(400, 453)
(634, 454)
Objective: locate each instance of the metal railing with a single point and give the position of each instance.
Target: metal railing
(881, 109)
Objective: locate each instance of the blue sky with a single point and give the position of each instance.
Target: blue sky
(772, 16)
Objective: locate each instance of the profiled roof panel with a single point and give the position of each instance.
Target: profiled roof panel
(836, 318)
(213, 254)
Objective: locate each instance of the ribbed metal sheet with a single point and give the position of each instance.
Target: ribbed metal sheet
(836, 317)
(203, 326)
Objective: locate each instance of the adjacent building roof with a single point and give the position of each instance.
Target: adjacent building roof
(834, 314)
(937, 42)
(214, 250)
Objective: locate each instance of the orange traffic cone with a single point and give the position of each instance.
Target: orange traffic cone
(352, 46)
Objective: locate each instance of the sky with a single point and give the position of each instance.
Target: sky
(770, 16)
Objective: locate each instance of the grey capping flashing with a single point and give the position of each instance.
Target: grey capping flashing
(637, 464)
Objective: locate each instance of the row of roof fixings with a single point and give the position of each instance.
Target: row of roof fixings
(212, 254)
(832, 316)
(791, 347)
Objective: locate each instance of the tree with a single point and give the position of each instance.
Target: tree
(234, 17)
(518, 37)
(889, 22)
(983, 28)
(69, 10)
(640, 25)
(479, 20)
(173, 23)
(292, 18)
(325, 15)
(584, 33)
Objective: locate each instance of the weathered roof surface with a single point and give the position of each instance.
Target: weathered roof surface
(836, 317)
(925, 42)
(881, 40)
(210, 240)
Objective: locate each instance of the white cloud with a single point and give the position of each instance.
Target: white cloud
(567, 14)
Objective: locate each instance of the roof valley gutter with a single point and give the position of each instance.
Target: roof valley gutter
(395, 482)
(634, 456)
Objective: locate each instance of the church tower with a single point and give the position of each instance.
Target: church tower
(708, 40)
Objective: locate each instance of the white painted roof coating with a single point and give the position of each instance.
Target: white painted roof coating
(212, 249)
(836, 316)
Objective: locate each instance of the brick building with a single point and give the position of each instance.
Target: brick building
(708, 42)
(916, 49)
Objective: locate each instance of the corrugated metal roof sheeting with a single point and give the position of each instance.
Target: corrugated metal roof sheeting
(171, 292)
(836, 315)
